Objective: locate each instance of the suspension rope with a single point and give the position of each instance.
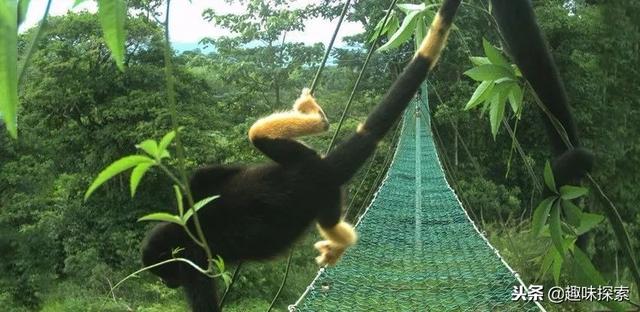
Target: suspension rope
(314, 84)
(360, 75)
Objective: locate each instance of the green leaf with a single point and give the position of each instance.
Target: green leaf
(493, 54)
(8, 66)
(137, 174)
(23, 7)
(498, 102)
(571, 192)
(489, 72)
(407, 8)
(556, 229)
(115, 168)
(481, 94)
(113, 14)
(176, 189)
(557, 266)
(162, 216)
(403, 33)
(541, 214)
(588, 222)
(166, 140)
(479, 60)
(548, 177)
(78, 2)
(150, 147)
(573, 212)
(421, 31)
(515, 99)
(589, 275)
(197, 206)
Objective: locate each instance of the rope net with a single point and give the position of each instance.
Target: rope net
(427, 256)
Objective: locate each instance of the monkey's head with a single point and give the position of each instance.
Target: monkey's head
(158, 246)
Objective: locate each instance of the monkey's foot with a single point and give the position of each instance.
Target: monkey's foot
(307, 104)
(330, 252)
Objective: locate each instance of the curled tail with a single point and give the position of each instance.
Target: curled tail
(347, 157)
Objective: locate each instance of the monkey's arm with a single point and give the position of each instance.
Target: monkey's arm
(337, 239)
(274, 135)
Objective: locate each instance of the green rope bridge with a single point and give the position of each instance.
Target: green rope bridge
(418, 249)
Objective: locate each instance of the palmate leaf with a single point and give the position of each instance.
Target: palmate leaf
(493, 54)
(588, 221)
(8, 66)
(498, 102)
(486, 72)
(479, 60)
(540, 215)
(515, 99)
(403, 33)
(113, 14)
(573, 212)
(481, 93)
(115, 168)
(150, 147)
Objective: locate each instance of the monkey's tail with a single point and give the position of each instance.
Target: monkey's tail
(347, 157)
(199, 289)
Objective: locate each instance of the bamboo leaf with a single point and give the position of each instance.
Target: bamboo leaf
(481, 94)
(162, 216)
(549, 180)
(489, 72)
(137, 174)
(540, 215)
(113, 14)
(403, 33)
(8, 66)
(571, 192)
(493, 54)
(115, 168)
(555, 229)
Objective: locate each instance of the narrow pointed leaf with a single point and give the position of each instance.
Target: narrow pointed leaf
(489, 72)
(403, 33)
(115, 168)
(573, 212)
(197, 206)
(113, 14)
(23, 7)
(589, 275)
(150, 147)
(571, 192)
(407, 8)
(556, 229)
(481, 94)
(549, 180)
(479, 60)
(166, 140)
(588, 222)
(162, 216)
(557, 266)
(515, 99)
(493, 54)
(496, 113)
(540, 215)
(136, 175)
(8, 65)
(176, 189)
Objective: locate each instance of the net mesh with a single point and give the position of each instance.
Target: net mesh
(415, 257)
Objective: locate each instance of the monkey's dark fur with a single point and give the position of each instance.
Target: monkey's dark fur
(263, 209)
(527, 47)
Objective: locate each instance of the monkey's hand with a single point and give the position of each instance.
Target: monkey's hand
(307, 104)
(330, 252)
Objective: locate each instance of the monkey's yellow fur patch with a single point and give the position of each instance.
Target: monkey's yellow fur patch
(433, 44)
(306, 118)
(338, 239)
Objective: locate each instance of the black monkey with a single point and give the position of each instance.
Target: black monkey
(262, 209)
(527, 47)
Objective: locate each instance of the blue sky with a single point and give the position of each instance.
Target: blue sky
(187, 26)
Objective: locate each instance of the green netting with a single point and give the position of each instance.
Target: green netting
(424, 257)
